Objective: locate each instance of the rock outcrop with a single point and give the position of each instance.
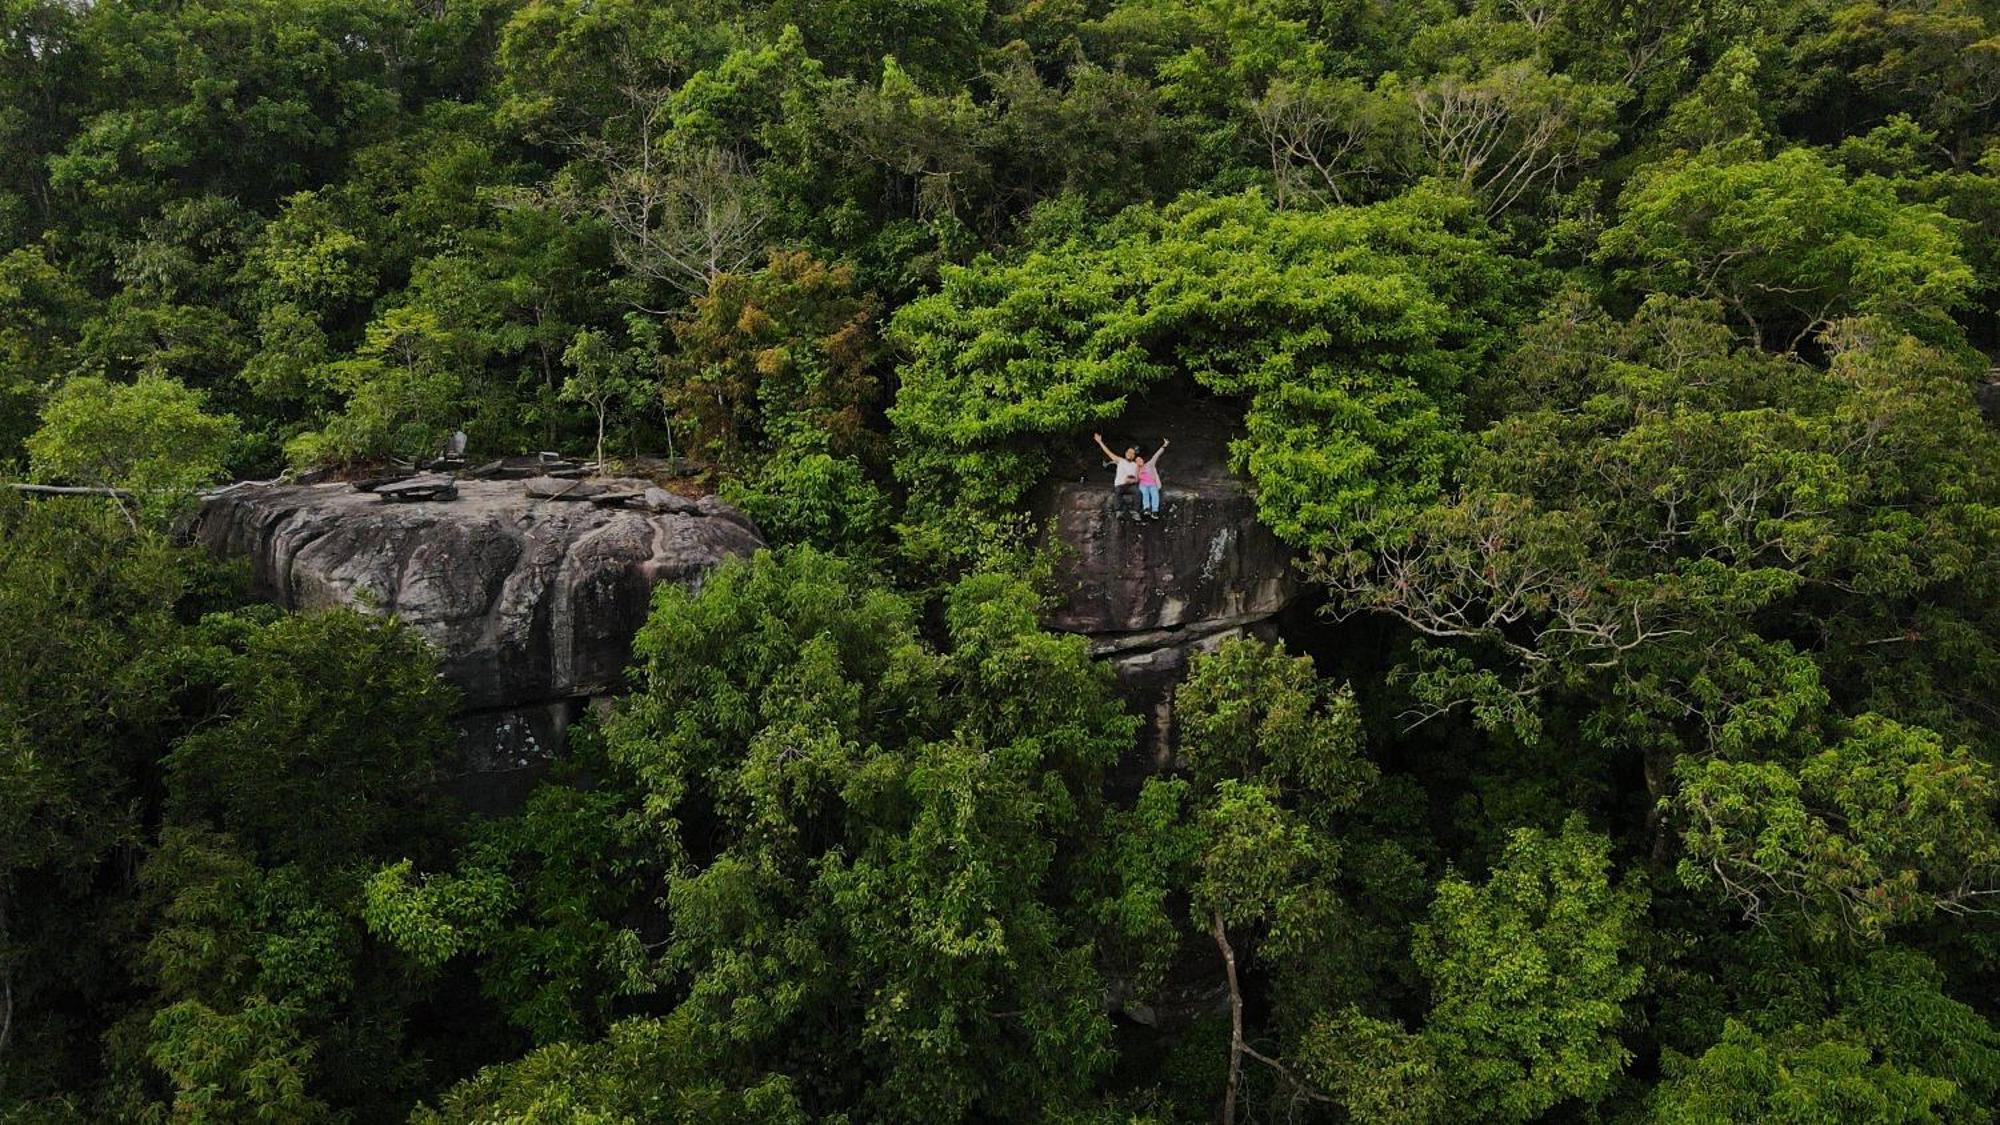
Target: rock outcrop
(1150, 593)
(531, 603)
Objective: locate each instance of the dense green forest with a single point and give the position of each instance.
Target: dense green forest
(1613, 366)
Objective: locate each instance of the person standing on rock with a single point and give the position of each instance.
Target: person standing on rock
(1124, 478)
(1149, 482)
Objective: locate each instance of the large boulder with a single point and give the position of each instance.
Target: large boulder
(1151, 593)
(531, 603)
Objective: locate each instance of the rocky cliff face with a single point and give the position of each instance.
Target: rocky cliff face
(1151, 593)
(532, 603)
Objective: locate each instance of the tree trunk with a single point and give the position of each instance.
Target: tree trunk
(6, 991)
(1659, 765)
(1235, 1016)
(70, 490)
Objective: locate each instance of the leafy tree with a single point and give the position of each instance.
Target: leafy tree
(544, 899)
(89, 612)
(406, 390)
(600, 378)
(1885, 826)
(1529, 975)
(152, 437)
(1805, 1076)
(320, 751)
(1655, 548)
(815, 791)
(1253, 842)
(1788, 244)
(651, 1069)
(806, 496)
(782, 359)
(270, 736)
(39, 305)
(1349, 332)
(227, 1067)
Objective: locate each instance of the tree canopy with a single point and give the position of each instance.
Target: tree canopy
(1612, 372)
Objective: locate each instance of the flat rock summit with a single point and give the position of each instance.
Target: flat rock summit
(531, 602)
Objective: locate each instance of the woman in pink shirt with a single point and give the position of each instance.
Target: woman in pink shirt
(1149, 482)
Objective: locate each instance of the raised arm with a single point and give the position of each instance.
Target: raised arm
(1108, 455)
(1164, 443)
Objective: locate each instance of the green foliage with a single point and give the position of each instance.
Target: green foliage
(1809, 1075)
(268, 738)
(188, 804)
(1699, 551)
(88, 610)
(152, 437)
(644, 1070)
(1374, 1069)
(1529, 973)
(1884, 827)
(1657, 510)
(867, 792)
(863, 846)
(406, 390)
(543, 900)
(1253, 842)
(224, 1067)
(815, 498)
(1789, 244)
(601, 378)
(39, 306)
(776, 361)
(1349, 333)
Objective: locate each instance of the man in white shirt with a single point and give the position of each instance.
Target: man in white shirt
(1124, 476)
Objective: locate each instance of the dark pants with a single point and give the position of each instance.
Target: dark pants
(1124, 498)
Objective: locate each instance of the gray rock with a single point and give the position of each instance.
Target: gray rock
(429, 487)
(656, 499)
(529, 604)
(1205, 563)
(713, 507)
(555, 488)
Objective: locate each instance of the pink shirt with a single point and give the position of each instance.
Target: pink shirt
(1149, 474)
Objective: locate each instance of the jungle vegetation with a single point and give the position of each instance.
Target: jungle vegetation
(1613, 366)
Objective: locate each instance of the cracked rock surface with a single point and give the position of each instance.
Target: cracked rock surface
(532, 604)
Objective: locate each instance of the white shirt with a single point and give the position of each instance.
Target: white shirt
(1127, 472)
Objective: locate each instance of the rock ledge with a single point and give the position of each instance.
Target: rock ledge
(532, 604)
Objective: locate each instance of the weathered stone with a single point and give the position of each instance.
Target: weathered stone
(554, 488)
(430, 487)
(1205, 564)
(532, 606)
(656, 499)
(714, 508)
